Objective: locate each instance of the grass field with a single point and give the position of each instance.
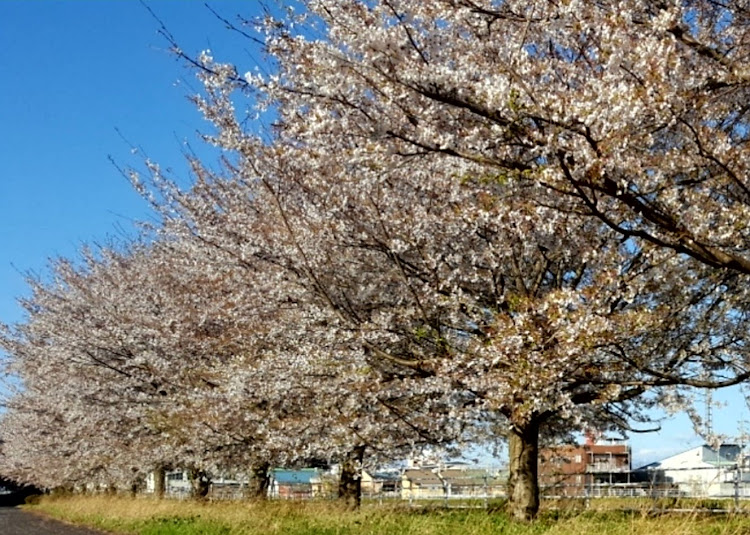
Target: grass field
(145, 516)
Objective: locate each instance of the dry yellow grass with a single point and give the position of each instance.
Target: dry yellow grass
(145, 516)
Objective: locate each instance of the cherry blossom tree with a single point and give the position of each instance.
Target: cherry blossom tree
(487, 299)
(88, 386)
(170, 353)
(431, 183)
(351, 408)
(636, 111)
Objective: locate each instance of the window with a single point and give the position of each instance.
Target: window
(175, 476)
(578, 458)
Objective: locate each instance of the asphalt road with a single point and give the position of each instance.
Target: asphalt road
(16, 522)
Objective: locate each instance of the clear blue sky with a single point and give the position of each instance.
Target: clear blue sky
(73, 73)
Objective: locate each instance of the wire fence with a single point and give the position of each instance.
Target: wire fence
(730, 485)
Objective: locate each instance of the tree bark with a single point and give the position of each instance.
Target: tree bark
(523, 481)
(160, 482)
(200, 483)
(350, 482)
(260, 481)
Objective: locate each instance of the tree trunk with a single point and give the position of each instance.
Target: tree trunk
(350, 482)
(523, 482)
(260, 481)
(200, 483)
(160, 483)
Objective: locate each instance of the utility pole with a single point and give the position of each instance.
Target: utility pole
(709, 412)
(737, 476)
(740, 462)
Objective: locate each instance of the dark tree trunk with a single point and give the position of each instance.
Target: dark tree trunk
(160, 482)
(523, 481)
(260, 481)
(350, 482)
(200, 483)
(137, 486)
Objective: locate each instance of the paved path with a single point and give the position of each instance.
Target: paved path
(16, 522)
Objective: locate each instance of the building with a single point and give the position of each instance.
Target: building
(385, 483)
(421, 483)
(473, 483)
(451, 482)
(591, 469)
(176, 483)
(290, 484)
(702, 472)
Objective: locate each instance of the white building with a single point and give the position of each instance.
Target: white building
(176, 483)
(703, 471)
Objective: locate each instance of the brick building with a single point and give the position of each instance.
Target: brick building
(584, 469)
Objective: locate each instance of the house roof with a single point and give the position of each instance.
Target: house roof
(423, 477)
(465, 478)
(296, 477)
(649, 466)
(386, 476)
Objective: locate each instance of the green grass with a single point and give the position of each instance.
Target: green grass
(143, 516)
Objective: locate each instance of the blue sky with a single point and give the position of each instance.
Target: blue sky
(74, 74)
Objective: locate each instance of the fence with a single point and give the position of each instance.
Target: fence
(456, 487)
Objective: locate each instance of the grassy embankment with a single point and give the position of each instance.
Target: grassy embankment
(144, 516)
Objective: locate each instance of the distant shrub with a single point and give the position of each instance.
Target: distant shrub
(32, 499)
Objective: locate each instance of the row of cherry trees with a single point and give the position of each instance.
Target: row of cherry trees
(171, 356)
(471, 220)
